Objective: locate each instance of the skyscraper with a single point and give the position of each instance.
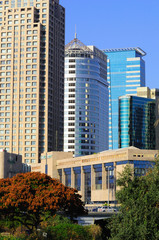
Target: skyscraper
(31, 77)
(126, 72)
(136, 122)
(85, 99)
(153, 94)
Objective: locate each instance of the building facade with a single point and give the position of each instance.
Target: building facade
(126, 72)
(136, 122)
(153, 94)
(31, 77)
(11, 164)
(85, 99)
(94, 176)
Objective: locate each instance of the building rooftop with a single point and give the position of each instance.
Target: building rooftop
(137, 49)
(76, 44)
(76, 48)
(122, 149)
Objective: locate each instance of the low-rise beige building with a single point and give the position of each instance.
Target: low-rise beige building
(11, 164)
(94, 176)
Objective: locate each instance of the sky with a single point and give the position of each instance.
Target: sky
(117, 24)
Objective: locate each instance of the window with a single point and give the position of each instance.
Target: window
(33, 107)
(27, 154)
(27, 149)
(28, 55)
(27, 131)
(27, 119)
(27, 113)
(28, 90)
(29, 32)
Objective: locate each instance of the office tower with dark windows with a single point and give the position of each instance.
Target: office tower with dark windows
(153, 93)
(31, 77)
(126, 72)
(136, 122)
(85, 99)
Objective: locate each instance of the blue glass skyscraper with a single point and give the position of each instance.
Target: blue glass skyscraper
(126, 72)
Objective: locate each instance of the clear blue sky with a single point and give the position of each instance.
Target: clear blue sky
(117, 24)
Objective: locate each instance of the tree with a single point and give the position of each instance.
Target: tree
(139, 211)
(27, 197)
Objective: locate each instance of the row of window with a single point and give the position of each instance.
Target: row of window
(33, 119)
(28, 55)
(8, 79)
(8, 50)
(16, 96)
(16, 39)
(29, 32)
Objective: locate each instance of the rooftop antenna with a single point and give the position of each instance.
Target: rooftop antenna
(75, 32)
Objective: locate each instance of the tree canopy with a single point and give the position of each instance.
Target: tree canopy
(29, 196)
(139, 211)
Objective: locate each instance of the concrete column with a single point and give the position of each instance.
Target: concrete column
(103, 177)
(115, 176)
(63, 176)
(92, 178)
(72, 178)
(82, 184)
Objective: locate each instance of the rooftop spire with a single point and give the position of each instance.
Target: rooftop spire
(75, 32)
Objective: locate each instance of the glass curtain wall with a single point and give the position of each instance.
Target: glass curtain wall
(136, 122)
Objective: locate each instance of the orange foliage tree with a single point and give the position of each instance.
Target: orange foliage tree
(28, 196)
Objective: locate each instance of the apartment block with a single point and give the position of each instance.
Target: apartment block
(32, 36)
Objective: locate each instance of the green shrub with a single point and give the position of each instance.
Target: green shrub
(55, 220)
(95, 231)
(9, 238)
(68, 231)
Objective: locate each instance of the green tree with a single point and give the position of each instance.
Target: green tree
(139, 211)
(27, 197)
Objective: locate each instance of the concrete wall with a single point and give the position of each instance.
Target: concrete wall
(10, 164)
